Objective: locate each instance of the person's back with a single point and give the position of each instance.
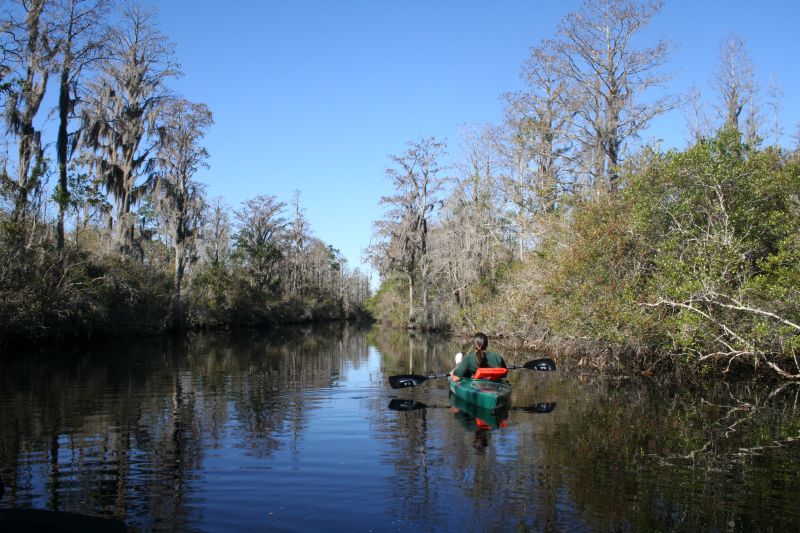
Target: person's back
(477, 358)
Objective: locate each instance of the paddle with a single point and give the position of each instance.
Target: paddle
(412, 380)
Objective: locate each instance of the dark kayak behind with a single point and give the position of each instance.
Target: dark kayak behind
(39, 520)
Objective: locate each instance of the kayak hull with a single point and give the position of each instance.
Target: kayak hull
(482, 393)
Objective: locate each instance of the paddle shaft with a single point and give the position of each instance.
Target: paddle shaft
(412, 380)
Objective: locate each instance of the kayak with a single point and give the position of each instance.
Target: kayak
(56, 521)
(483, 393)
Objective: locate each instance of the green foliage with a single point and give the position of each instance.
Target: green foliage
(698, 253)
(718, 225)
(390, 302)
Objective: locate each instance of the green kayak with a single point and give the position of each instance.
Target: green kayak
(483, 393)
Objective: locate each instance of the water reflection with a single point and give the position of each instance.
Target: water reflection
(618, 454)
(289, 430)
(124, 430)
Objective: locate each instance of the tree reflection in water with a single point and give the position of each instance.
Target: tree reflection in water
(618, 454)
(123, 430)
(207, 432)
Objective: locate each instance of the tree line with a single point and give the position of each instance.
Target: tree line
(559, 229)
(105, 227)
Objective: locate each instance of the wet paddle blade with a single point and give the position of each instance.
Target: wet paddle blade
(403, 381)
(541, 365)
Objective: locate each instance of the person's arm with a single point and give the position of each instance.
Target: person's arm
(461, 369)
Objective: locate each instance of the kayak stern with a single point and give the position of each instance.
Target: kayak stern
(483, 393)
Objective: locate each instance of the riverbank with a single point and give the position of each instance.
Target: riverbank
(79, 296)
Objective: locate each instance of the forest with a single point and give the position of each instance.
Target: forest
(104, 228)
(560, 230)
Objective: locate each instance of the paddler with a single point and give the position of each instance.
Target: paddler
(477, 358)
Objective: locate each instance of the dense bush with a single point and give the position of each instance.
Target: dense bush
(92, 292)
(695, 260)
(45, 296)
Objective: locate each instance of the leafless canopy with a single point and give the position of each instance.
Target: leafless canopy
(121, 115)
(610, 74)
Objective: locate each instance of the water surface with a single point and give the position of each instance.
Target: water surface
(290, 430)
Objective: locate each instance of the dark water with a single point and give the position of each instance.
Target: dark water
(291, 431)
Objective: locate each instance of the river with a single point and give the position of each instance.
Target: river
(292, 430)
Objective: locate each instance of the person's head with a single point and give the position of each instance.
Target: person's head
(480, 341)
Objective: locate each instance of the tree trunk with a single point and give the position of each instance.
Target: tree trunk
(424, 325)
(176, 311)
(410, 301)
(62, 192)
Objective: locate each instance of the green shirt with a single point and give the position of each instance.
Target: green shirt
(469, 364)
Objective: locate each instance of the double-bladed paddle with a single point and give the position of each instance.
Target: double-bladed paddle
(412, 380)
(398, 404)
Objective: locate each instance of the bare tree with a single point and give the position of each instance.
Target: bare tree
(470, 238)
(544, 112)
(597, 53)
(734, 81)
(181, 198)
(82, 35)
(121, 114)
(30, 52)
(514, 146)
(775, 98)
(698, 123)
(298, 236)
(402, 236)
(216, 232)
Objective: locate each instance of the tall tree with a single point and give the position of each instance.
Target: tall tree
(121, 114)
(259, 240)
(469, 239)
(598, 53)
(403, 234)
(181, 198)
(774, 104)
(298, 236)
(736, 88)
(514, 146)
(544, 113)
(30, 55)
(82, 35)
(217, 232)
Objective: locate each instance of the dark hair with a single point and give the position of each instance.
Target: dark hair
(479, 342)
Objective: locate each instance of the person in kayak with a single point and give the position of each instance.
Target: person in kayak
(477, 358)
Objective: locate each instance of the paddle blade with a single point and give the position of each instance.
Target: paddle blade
(403, 381)
(543, 408)
(406, 405)
(542, 365)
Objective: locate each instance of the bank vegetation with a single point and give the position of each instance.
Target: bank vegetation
(104, 227)
(559, 229)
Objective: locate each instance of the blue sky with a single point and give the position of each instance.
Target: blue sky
(314, 95)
